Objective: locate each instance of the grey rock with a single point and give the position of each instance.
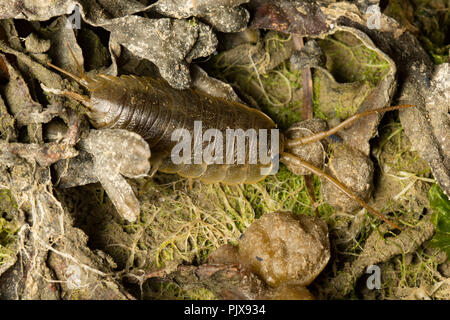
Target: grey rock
(170, 44)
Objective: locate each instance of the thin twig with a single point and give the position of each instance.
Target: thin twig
(307, 113)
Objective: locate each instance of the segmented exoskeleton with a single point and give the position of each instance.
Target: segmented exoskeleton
(154, 110)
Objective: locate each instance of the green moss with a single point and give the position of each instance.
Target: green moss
(441, 218)
(199, 294)
(7, 201)
(278, 92)
(187, 223)
(393, 149)
(318, 113)
(404, 178)
(167, 290)
(412, 277)
(7, 232)
(349, 60)
(285, 191)
(251, 70)
(8, 226)
(193, 22)
(343, 111)
(281, 100)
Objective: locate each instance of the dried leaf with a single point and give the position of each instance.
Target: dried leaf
(304, 18)
(116, 153)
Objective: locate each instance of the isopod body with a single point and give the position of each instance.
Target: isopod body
(153, 109)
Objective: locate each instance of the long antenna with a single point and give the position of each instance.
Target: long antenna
(67, 73)
(298, 161)
(321, 135)
(83, 80)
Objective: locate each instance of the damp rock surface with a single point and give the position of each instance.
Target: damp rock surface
(119, 153)
(169, 43)
(186, 9)
(228, 19)
(286, 249)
